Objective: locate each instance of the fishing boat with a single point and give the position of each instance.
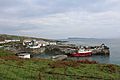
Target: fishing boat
(81, 53)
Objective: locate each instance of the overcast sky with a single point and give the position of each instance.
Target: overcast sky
(61, 18)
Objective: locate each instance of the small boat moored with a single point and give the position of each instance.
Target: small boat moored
(23, 55)
(81, 53)
(59, 57)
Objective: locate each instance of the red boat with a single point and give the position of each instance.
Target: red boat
(81, 53)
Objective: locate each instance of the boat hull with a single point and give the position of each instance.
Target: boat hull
(80, 54)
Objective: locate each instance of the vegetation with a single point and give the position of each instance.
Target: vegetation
(5, 36)
(5, 53)
(14, 68)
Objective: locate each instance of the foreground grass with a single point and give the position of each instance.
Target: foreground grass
(36, 69)
(13, 68)
(5, 53)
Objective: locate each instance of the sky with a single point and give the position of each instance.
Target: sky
(60, 19)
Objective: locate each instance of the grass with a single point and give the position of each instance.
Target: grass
(5, 53)
(6, 36)
(14, 68)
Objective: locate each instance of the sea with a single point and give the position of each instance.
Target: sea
(113, 44)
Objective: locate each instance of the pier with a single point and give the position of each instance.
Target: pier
(101, 50)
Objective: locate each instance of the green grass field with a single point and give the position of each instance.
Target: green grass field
(13, 68)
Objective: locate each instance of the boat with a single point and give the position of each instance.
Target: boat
(81, 53)
(59, 57)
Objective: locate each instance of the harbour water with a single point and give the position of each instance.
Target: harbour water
(113, 44)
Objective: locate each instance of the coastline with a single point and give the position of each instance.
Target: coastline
(33, 69)
(13, 67)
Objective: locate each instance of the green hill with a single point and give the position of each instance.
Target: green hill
(6, 36)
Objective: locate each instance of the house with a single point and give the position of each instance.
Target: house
(7, 41)
(2, 42)
(14, 40)
(23, 55)
(27, 42)
(42, 43)
(34, 43)
(52, 43)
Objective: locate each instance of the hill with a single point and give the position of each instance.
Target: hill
(6, 36)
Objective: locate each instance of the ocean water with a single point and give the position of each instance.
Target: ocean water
(113, 44)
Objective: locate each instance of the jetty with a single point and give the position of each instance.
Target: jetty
(96, 50)
(101, 50)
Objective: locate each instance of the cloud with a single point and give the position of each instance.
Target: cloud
(60, 18)
(112, 1)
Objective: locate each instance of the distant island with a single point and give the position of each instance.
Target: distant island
(80, 38)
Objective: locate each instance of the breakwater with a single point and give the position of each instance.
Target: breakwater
(68, 49)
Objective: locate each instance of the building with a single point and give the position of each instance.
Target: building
(52, 43)
(2, 42)
(14, 40)
(29, 43)
(42, 43)
(7, 41)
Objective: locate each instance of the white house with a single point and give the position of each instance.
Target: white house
(52, 43)
(14, 40)
(27, 42)
(7, 41)
(24, 55)
(2, 42)
(42, 43)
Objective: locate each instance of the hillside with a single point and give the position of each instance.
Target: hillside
(12, 68)
(6, 36)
